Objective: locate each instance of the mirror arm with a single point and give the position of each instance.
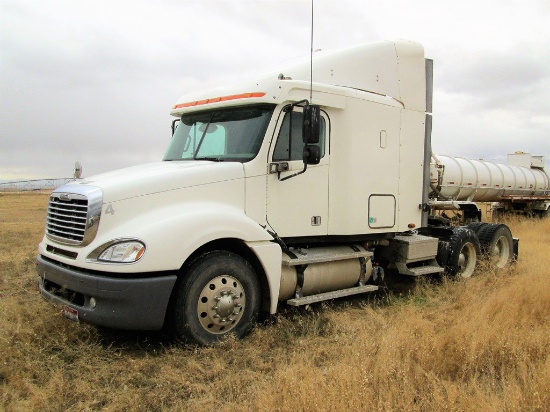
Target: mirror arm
(294, 175)
(174, 125)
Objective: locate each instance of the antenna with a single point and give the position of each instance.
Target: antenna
(311, 59)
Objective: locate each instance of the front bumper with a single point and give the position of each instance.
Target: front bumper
(121, 303)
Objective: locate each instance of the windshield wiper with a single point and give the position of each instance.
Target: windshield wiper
(212, 159)
(202, 137)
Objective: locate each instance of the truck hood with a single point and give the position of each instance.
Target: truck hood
(159, 177)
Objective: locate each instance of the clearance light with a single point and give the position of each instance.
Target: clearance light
(220, 99)
(125, 252)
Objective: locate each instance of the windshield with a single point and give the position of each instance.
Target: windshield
(233, 134)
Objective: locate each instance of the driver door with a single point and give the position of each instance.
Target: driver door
(297, 206)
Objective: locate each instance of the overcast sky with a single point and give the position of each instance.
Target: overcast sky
(94, 81)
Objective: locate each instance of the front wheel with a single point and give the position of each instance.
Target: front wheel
(218, 295)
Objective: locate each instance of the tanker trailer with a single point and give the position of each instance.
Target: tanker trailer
(521, 186)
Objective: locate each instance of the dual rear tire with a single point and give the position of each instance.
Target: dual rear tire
(467, 245)
(497, 244)
(463, 253)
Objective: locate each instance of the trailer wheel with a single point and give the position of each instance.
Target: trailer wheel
(542, 213)
(498, 214)
(219, 295)
(497, 244)
(464, 250)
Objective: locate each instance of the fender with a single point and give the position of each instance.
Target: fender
(173, 232)
(174, 238)
(270, 256)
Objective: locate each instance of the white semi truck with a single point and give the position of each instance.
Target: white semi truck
(286, 190)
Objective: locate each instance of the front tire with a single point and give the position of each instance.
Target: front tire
(218, 295)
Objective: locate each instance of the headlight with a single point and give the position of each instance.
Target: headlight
(129, 251)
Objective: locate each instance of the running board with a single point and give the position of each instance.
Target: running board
(307, 300)
(430, 269)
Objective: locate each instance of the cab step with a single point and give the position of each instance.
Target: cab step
(428, 269)
(307, 300)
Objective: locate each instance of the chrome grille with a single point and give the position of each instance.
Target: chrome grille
(73, 214)
(67, 219)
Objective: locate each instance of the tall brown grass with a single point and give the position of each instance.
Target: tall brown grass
(432, 345)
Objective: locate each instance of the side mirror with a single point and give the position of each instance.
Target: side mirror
(311, 125)
(312, 154)
(174, 125)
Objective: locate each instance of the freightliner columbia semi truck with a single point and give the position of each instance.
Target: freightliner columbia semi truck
(287, 190)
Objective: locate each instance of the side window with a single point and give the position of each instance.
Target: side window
(286, 150)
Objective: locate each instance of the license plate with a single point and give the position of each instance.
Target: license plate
(70, 313)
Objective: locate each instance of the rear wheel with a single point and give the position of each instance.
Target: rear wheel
(476, 226)
(463, 253)
(219, 295)
(442, 253)
(497, 244)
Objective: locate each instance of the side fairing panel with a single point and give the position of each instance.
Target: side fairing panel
(411, 169)
(364, 163)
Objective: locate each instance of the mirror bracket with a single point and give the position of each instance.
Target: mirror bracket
(278, 167)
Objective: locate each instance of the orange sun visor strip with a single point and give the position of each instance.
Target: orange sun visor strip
(220, 99)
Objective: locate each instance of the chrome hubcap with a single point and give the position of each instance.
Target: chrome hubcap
(467, 260)
(501, 252)
(221, 304)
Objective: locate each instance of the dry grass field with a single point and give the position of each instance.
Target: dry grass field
(440, 345)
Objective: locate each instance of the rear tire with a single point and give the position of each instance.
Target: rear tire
(463, 253)
(219, 295)
(442, 253)
(497, 244)
(476, 226)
